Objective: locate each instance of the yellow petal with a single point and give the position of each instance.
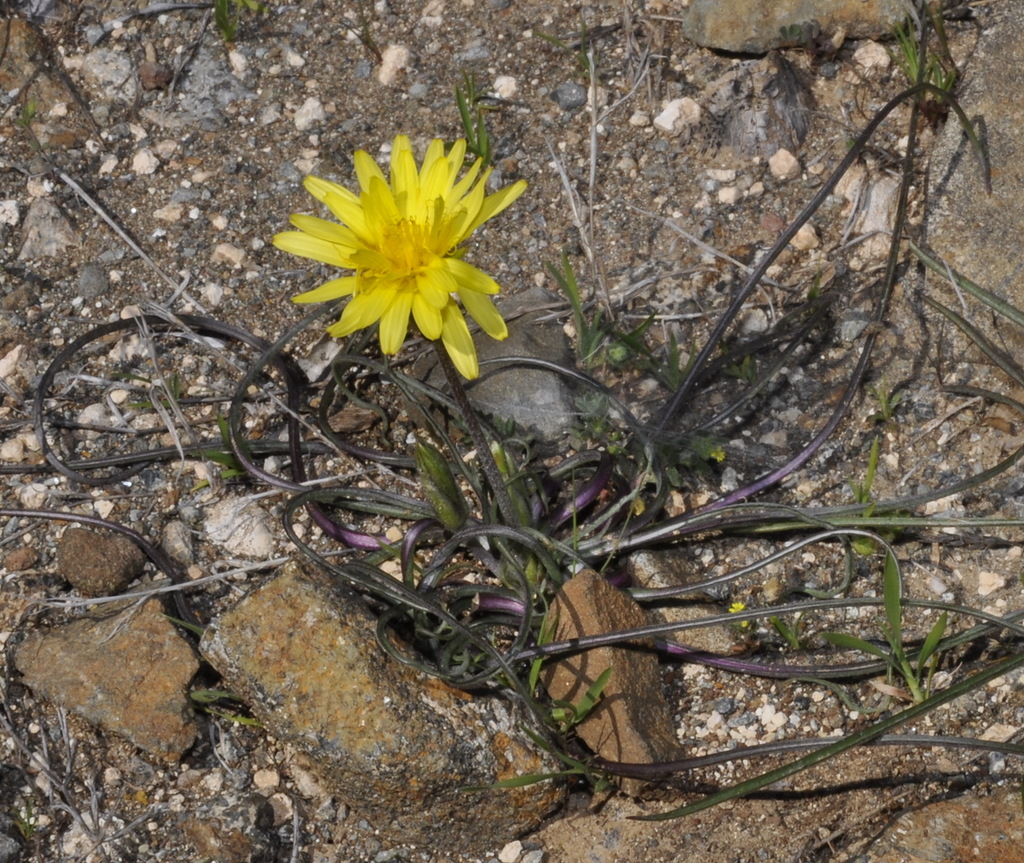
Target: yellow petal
(340, 201)
(328, 291)
(456, 157)
(470, 278)
(394, 323)
(463, 186)
(435, 153)
(365, 309)
(434, 183)
(302, 244)
(458, 342)
(482, 310)
(437, 286)
(405, 179)
(324, 230)
(370, 259)
(379, 206)
(366, 169)
(468, 213)
(494, 204)
(428, 318)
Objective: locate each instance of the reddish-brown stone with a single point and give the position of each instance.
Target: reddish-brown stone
(632, 722)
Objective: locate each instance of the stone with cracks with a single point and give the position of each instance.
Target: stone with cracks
(390, 741)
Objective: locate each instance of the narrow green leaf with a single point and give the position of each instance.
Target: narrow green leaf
(850, 642)
(932, 641)
(892, 593)
(593, 694)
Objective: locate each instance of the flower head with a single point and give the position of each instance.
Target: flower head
(403, 238)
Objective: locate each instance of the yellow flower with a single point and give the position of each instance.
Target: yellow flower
(403, 239)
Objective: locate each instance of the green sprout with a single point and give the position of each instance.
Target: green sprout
(916, 674)
(579, 48)
(473, 110)
(231, 467)
(24, 818)
(566, 715)
(228, 13)
(862, 490)
(208, 701)
(792, 635)
(590, 334)
(28, 113)
(888, 401)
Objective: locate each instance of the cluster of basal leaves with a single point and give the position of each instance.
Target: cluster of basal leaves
(489, 531)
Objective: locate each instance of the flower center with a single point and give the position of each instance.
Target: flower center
(406, 244)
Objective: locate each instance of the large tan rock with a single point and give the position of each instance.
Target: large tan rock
(756, 26)
(392, 742)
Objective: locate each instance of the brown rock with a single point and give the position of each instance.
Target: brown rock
(155, 76)
(388, 740)
(126, 671)
(20, 559)
(98, 565)
(633, 721)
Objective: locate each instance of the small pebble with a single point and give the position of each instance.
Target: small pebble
(725, 706)
(311, 113)
(784, 165)
(155, 76)
(510, 853)
(729, 195)
(806, 238)
(505, 87)
(32, 495)
(92, 280)
(394, 59)
(145, 162)
(989, 582)
(12, 451)
(98, 564)
(266, 778)
(20, 559)
(293, 58)
(283, 808)
(569, 96)
(227, 253)
(679, 114)
(170, 213)
(9, 212)
(871, 55)
(238, 62)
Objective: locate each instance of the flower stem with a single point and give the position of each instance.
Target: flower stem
(483, 446)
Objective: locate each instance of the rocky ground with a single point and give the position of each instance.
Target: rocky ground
(146, 164)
